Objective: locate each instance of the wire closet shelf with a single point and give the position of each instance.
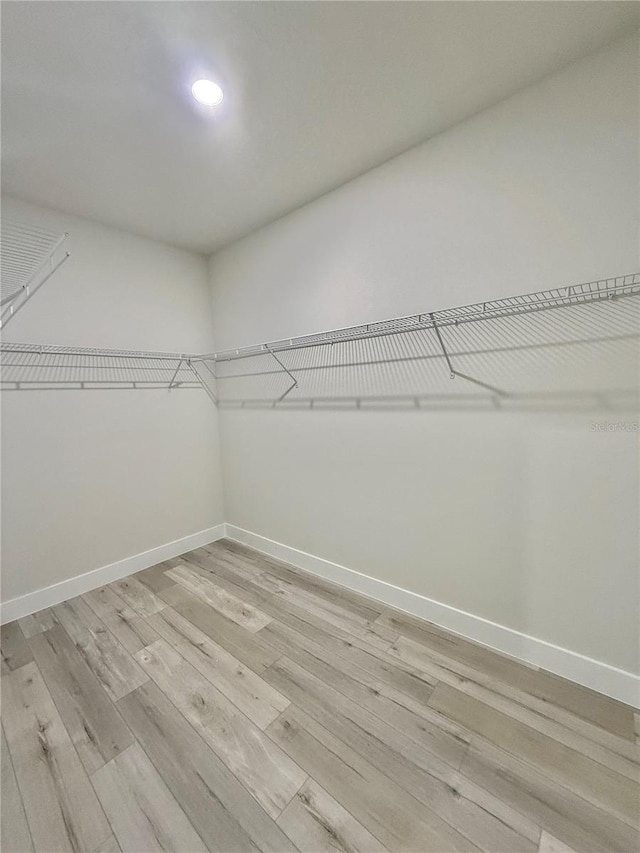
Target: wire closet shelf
(43, 366)
(28, 258)
(567, 347)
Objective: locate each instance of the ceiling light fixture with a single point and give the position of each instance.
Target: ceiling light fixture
(207, 92)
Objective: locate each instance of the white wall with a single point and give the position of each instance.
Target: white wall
(526, 520)
(93, 477)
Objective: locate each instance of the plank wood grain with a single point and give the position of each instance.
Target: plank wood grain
(155, 577)
(225, 815)
(605, 712)
(138, 596)
(388, 812)
(264, 769)
(573, 737)
(109, 846)
(94, 725)
(350, 613)
(145, 816)
(60, 804)
(251, 563)
(329, 722)
(224, 556)
(14, 829)
(413, 768)
(13, 646)
(36, 623)
(440, 668)
(315, 821)
(105, 656)
(247, 690)
(273, 596)
(255, 653)
(229, 605)
(415, 719)
(601, 786)
(294, 631)
(553, 806)
(549, 844)
(331, 611)
(131, 629)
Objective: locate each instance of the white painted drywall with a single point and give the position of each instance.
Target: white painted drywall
(527, 520)
(93, 477)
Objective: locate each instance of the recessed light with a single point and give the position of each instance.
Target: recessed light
(207, 92)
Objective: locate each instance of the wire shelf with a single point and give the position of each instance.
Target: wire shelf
(594, 291)
(36, 367)
(572, 347)
(576, 344)
(29, 256)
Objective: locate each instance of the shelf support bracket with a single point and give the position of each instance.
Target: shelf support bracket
(208, 390)
(177, 370)
(294, 383)
(453, 372)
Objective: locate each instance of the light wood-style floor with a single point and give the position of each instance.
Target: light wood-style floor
(224, 701)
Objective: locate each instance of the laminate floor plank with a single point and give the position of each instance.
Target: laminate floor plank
(546, 725)
(36, 623)
(248, 691)
(352, 614)
(14, 647)
(242, 588)
(155, 578)
(307, 630)
(247, 560)
(315, 821)
(233, 608)
(144, 814)
(387, 811)
(222, 552)
(549, 844)
(129, 628)
(266, 591)
(616, 753)
(224, 700)
(440, 668)
(554, 807)
(331, 612)
(391, 706)
(91, 719)
(417, 771)
(298, 617)
(613, 716)
(263, 768)
(609, 790)
(225, 815)
(105, 656)
(14, 829)
(244, 645)
(109, 846)
(138, 596)
(298, 632)
(61, 806)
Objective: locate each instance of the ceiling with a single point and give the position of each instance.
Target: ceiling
(98, 121)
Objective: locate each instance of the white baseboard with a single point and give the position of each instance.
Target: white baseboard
(617, 683)
(16, 608)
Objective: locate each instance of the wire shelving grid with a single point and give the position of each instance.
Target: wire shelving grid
(569, 346)
(29, 255)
